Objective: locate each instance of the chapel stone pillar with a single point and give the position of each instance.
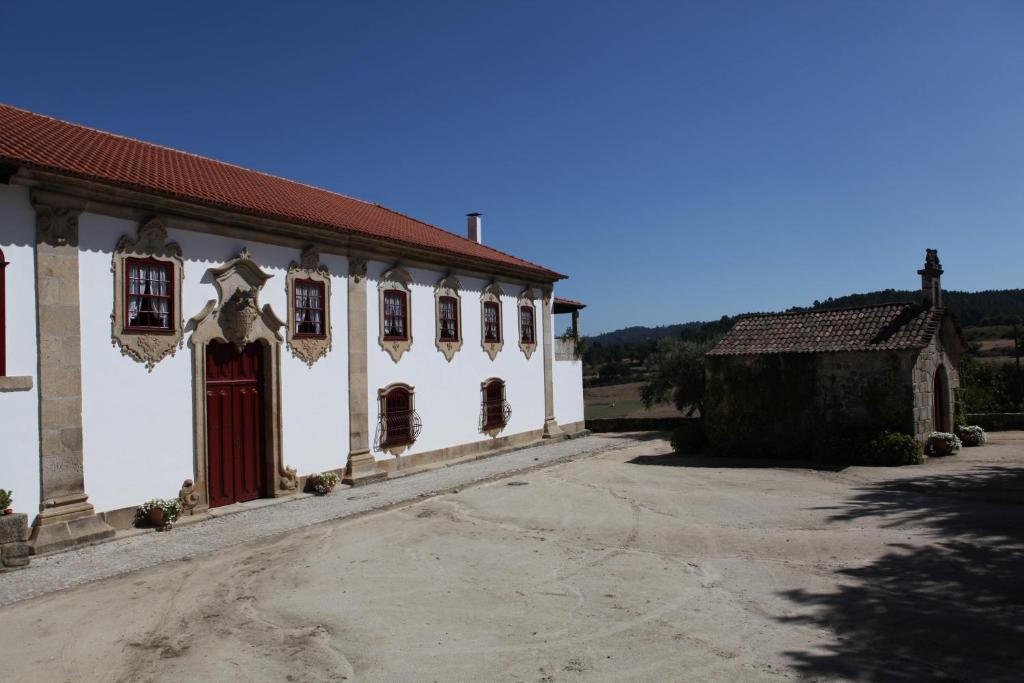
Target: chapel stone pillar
(362, 466)
(551, 428)
(66, 517)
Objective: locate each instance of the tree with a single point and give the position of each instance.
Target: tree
(677, 375)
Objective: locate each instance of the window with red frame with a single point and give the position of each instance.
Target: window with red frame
(494, 404)
(309, 309)
(149, 295)
(492, 322)
(526, 329)
(3, 315)
(448, 318)
(396, 314)
(398, 420)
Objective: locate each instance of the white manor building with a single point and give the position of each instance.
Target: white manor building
(165, 318)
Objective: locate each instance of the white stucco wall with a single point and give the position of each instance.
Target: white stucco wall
(138, 425)
(567, 385)
(448, 394)
(19, 411)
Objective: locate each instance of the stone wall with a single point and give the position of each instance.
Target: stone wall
(790, 405)
(995, 422)
(14, 548)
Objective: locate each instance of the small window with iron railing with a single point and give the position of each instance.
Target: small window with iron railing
(398, 424)
(495, 411)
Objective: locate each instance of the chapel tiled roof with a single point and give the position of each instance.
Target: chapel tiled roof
(568, 303)
(884, 327)
(46, 143)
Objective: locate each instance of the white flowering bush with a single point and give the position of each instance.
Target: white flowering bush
(972, 435)
(170, 506)
(943, 443)
(322, 483)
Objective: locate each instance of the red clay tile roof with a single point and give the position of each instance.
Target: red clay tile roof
(46, 143)
(567, 304)
(884, 327)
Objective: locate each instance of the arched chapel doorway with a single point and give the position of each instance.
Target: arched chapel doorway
(942, 418)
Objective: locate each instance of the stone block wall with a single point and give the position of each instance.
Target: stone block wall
(14, 548)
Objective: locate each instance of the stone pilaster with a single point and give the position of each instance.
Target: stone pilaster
(362, 466)
(551, 428)
(66, 518)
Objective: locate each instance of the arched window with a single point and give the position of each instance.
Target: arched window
(3, 315)
(398, 424)
(495, 410)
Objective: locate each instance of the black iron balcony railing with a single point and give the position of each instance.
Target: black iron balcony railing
(494, 414)
(397, 428)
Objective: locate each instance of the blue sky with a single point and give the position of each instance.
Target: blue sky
(679, 160)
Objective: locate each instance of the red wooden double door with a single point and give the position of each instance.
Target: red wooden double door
(234, 423)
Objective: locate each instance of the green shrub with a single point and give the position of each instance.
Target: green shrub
(893, 449)
(689, 437)
(5, 499)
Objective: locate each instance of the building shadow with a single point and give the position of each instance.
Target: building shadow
(705, 460)
(951, 610)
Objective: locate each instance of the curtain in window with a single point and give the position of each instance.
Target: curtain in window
(394, 314)
(449, 324)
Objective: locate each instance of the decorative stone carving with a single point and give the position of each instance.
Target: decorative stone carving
(399, 279)
(448, 286)
(309, 348)
(147, 347)
(188, 496)
(357, 268)
(492, 294)
(237, 318)
(526, 300)
(57, 226)
(289, 478)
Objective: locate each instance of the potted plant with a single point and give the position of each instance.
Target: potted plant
(158, 512)
(972, 435)
(5, 501)
(322, 483)
(943, 443)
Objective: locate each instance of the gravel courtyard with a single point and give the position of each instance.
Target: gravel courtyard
(626, 563)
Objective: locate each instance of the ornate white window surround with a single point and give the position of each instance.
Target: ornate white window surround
(448, 288)
(395, 279)
(308, 347)
(151, 345)
(526, 301)
(491, 295)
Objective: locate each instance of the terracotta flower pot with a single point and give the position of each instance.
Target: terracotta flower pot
(9, 511)
(156, 517)
(939, 446)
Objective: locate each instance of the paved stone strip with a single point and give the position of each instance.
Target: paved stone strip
(52, 573)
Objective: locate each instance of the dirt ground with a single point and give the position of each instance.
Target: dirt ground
(622, 400)
(635, 564)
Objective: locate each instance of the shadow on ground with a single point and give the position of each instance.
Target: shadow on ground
(715, 461)
(951, 610)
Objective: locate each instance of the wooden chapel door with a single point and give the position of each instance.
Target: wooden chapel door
(234, 419)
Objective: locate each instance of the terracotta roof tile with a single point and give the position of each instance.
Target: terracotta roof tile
(884, 327)
(46, 143)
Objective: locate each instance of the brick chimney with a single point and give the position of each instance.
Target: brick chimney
(474, 229)
(931, 278)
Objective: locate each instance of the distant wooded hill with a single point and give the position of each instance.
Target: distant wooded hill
(972, 308)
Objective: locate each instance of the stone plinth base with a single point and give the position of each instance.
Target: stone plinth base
(14, 551)
(48, 537)
(552, 430)
(362, 469)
